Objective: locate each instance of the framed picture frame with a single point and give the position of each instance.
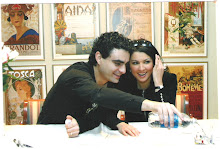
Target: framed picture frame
(28, 82)
(25, 35)
(184, 29)
(130, 20)
(192, 80)
(74, 28)
(57, 70)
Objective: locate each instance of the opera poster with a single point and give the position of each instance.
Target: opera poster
(29, 84)
(184, 29)
(192, 80)
(21, 29)
(134, 20)
(75, 26)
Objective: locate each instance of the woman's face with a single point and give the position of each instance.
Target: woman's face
(17, 18)
(21, 92)
(141, 66)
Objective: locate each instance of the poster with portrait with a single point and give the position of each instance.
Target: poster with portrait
(27, 82)
(134, 20)
(22, 30)
(75, 26)
(192, 80)
(184, 31)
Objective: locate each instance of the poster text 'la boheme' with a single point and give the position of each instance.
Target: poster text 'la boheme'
(189, 87)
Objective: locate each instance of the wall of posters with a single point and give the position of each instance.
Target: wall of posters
(22, 29)
(192, 79)
(31, 85)
(134, 20)
(184, 29)
(48, 15)
(75, 26)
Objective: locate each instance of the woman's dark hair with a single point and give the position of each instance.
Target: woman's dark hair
(107, 42)
(142, 45)
(145, 46)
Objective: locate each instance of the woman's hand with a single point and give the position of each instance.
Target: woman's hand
(72, 127)
(158, 71)
(127, 129)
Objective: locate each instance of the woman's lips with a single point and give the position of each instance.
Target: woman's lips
(142, 74)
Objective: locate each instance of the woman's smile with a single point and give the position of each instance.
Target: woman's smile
(142, 75)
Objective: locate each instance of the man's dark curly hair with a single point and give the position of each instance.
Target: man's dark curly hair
(106, 43)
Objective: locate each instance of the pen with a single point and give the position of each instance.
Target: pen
(18, 143)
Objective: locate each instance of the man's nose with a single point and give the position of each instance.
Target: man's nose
(123, 69)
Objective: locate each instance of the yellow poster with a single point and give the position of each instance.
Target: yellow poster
(192, 80)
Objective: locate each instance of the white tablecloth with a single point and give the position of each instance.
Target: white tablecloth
(54, 136)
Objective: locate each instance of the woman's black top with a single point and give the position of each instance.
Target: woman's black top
(129, 84)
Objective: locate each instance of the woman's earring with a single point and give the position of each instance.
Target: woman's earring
(9, 19)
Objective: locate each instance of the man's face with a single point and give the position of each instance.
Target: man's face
(111, 68)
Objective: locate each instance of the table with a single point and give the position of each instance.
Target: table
(55, 136)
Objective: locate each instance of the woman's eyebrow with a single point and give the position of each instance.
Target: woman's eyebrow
(147, 59)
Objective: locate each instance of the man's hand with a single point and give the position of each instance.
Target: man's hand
(164, 109)
(72, 127)
(127, 129)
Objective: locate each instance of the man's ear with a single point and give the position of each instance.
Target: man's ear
(98, 57)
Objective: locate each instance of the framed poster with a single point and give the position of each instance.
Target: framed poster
(184, 31)
(22, 30)
(75, 26)
(134, 20)
(31, 85)
(192, 79)
(57, 70)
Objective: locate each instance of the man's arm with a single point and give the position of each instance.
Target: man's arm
(84, 85)
(81, 83)
(110, 119)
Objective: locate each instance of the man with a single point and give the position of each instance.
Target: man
(82, 96)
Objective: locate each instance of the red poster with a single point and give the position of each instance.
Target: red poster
(192, 79)
(184, 29)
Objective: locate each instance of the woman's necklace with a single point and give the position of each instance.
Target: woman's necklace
(143, 87)
(143, 93)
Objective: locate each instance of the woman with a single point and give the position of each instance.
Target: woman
(146, 77)
(24, 92)
(17, 17)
